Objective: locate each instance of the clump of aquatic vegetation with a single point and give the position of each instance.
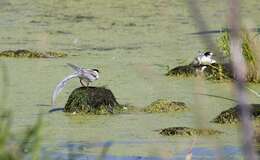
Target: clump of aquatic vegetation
(187, 131)
(218, 72)
(223, 70)
(249, 52)
(186, 70)
(214, 71)
(31, 54)
(14, 148)
(231, 115)
(94, 100)
(162, 105)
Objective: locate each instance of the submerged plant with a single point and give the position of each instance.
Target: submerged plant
(187, 131)
(162, 105)
(232, 115)
(23, 53)
(248, 51)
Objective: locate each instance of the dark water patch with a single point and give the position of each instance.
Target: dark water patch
(39, 23)
(45, 15)
(130, 48)
(216, 96)
(131, 24)
(103, 49)
(78, 18)
(114, 48)
(138, 25)
(43, 105)
(185, 22)
(56, 110)
(74, 49)
(34, 21)
(218, 31)
(59, 32)
(142, 16)
(30, 40)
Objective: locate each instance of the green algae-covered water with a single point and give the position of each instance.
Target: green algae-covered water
(131, 43)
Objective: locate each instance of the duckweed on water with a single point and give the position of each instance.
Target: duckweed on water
(162, 105)
(31, 54)
(94, 100)
(186, 131)
(232, 115)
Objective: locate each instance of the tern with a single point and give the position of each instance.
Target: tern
(204, 59)
(84, 74)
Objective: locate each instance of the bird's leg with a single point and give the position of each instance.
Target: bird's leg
(81, 82)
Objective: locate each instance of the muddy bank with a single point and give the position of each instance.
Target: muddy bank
(31, 54)
(162, 105)
(232, 115)
(187, 131)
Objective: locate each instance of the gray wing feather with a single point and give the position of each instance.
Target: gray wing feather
(60, 86)
(74, 67)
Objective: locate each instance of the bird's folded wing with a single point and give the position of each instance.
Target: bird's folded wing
(74, 67)
(60, 86)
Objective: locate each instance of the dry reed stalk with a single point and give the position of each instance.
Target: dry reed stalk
(239, 68)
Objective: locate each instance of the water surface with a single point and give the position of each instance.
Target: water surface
(131, 42)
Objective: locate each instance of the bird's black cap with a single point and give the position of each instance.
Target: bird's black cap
(95, 70)
(207, 54)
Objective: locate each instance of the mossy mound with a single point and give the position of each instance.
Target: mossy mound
(187, 70)
(218, 71)
(212, 72)
(165, 106)
(31, 54)
(232, 115)
(186, 131)
(94, 100)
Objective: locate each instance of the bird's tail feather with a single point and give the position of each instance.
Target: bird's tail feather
(60, 86)
(74, 67)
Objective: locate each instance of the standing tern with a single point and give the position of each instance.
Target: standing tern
(204, 59)
(84, 74)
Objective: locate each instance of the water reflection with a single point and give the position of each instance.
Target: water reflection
(75, 152)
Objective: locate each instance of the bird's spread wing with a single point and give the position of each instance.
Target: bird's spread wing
(60, 86)
(74, 67)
